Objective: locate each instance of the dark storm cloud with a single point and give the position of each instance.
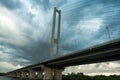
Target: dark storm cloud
(13, 53)
(44, 3)
(28, 18)
(34, 52)
(11, 4)
(37, 50)
(25, 55)
(58, 3)
(81, 11)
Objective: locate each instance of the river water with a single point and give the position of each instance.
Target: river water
(5, 78)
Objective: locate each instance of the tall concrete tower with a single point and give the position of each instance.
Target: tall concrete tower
(55, 42)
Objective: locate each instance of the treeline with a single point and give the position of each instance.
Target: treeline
(1, 74)
(81, 76)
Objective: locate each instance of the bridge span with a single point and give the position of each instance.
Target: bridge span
(52, 69)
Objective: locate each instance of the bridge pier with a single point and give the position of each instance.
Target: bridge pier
(18, 74)
(32, 74)
(39, 74)
(48, 74)
(8, 75)
(23, 74)
(52, 73)
(13, 74)
(58, 74)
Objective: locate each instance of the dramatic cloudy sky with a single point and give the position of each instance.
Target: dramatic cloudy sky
(25, 31)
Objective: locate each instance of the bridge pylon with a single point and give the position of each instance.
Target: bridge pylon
(55, 41)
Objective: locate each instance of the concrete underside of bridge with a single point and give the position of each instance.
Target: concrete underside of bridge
(46, 73)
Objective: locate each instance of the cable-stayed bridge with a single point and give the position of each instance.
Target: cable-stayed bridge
(52, 68)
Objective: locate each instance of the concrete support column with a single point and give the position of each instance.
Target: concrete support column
(18, 74)
(52, 73)
(58, 74)
(13, 74)
(23, 74)
(7, 75)
(10, 75)
(48, 73)
(40, 75)
(32, 74)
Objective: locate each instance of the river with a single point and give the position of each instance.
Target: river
(5, 78)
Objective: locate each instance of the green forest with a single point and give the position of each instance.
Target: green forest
(81, 76)
(1, 74)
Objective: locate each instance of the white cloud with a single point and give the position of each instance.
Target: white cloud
(12, 28)
(106, 68)
(58, 3)
(104, 73)
(5, 56)
(90, 25)
(5, 67)
(85, 30)
(40, 21)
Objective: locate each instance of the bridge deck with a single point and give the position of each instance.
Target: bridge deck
(109, 51)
